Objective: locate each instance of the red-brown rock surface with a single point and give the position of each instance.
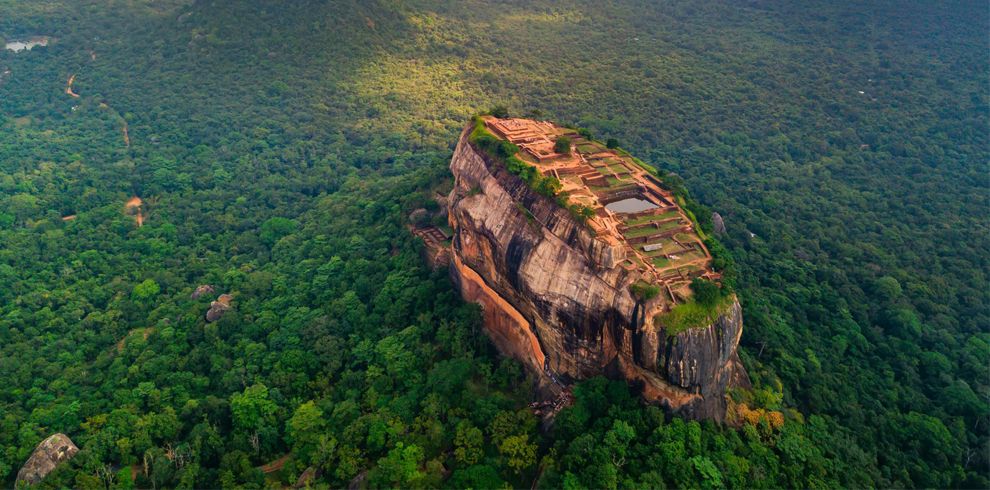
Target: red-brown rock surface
(554, 297)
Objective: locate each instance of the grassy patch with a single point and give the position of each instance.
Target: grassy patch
(647, 219)
(691, 315)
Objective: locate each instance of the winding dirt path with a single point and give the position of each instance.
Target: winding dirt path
(127, 136)
(68, 90)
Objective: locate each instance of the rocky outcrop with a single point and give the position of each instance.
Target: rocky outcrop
(556, 298)
(719, 224)
(46, 458)
(200, 291)
(218, 308)
(307, 478)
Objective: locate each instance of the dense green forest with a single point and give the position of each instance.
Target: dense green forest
(279, 145)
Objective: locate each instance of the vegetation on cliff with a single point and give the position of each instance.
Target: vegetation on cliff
(843, 142)
(504, 153)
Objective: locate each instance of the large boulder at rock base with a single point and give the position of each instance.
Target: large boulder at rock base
(46, 457)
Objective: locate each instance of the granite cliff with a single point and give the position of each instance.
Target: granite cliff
(556, 298)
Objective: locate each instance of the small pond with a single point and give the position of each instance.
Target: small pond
(631, 205)
(28, 44)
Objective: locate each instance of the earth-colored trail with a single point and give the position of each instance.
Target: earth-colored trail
(127, 136)
(135, 202)
(276, 465)
(68, 89)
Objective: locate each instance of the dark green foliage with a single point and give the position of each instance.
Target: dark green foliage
(644, 291)
(562, 145)
(705, 292)
(612, 143)
(858, 230)
(499, 111)
(275, 228)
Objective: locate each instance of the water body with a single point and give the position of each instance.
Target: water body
(631, 205)
(18, 46)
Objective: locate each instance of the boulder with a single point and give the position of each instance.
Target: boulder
(218, 308)
(200, 291)
(358, 481)
(719, 224)
(420, 218)
(46, 457)
(307, 478)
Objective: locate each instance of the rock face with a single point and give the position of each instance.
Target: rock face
(719, 224)
(45, 458)
(218, 308)
(555, 298)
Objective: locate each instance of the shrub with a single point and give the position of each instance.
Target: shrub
(706, 293)
(500, 111)
(644, 291)
(562, 145)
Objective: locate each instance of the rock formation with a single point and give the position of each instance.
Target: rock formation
(719, 224)
(45, 458)
(200, 291)
(556, 298)
(218, 308)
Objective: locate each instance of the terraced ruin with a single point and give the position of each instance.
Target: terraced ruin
(631, 206)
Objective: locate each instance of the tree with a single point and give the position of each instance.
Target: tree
(520, 453)
(468, 442)
(499, 111)
(562, 145)
(146, 290)
(252, 409)
(477, 476)
(706, 293)
(612, 143)
(400, 467)
(305, 428)
(275, 228)
(548, 186)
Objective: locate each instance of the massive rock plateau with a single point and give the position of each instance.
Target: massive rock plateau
(555, 298)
